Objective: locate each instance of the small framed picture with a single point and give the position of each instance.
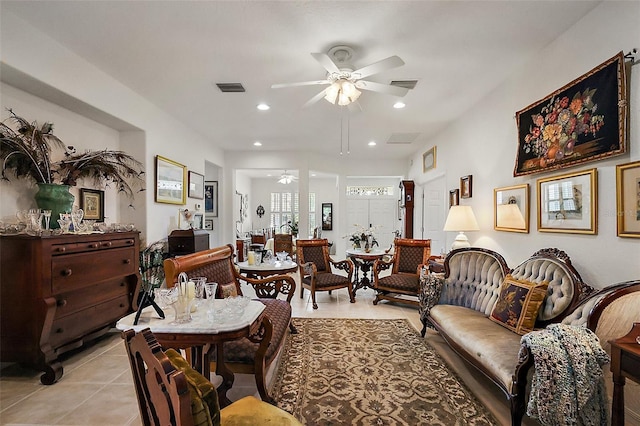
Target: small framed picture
(196, 185)
(327, 216)
(454, 197)
(511, 208)
(208, 224)
(568, 203)
(197, 221)
(628, 199)
(211, 198)
(429, 160)
(466, 186)
(92, 204)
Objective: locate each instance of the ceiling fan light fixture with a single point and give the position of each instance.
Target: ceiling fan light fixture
(286, 178)
(343, 92)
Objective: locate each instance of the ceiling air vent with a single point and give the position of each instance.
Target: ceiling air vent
(402, 138)
(230, 87)
(407, 84)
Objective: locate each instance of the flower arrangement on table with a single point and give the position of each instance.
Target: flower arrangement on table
(292, 227)
(363, 235)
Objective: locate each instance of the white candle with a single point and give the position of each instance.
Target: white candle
(251, 258)
(191, 290)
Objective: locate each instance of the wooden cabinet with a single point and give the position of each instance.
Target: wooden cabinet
(187, 241)
(58, 292)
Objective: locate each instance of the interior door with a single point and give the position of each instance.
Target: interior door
(381, 213)
(433, 214)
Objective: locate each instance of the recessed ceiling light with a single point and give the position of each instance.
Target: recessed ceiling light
(263, 107)
(313, 174)
(372, 143)
(399, 105)
(257, 143)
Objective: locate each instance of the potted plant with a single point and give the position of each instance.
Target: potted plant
(26, 151)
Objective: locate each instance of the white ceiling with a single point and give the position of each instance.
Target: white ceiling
(173, 53)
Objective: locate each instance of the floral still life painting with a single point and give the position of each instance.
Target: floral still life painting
(585, 120)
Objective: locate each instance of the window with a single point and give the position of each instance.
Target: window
(285, 207)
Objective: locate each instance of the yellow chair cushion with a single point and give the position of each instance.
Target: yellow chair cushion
(250, 411)
(204, 397)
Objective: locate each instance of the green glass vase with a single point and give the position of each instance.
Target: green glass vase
(56, 198)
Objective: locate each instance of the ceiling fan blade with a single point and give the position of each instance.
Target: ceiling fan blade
(315, 99)
(302, 83)
(326, 62)
(382, 88)
(376, 67)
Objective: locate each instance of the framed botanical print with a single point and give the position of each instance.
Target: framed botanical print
(171, 181)
(628, 199)
(568, 203)
(92, 204)
(511, 208)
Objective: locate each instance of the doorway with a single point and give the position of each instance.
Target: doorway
(434, 209)
(379, 213)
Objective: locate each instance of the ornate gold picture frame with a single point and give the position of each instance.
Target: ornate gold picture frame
(568, 203)
(511, 208)
(628, 199)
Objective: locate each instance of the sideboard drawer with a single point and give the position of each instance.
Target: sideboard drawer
(73, 326)
(77, 300)
(71, 271)
(93, 245)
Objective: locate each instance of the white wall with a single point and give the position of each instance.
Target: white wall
(83, 87)
(483, 144)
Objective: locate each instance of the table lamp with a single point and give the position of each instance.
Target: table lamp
(461, 219)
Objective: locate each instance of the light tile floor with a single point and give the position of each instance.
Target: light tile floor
(97, 389)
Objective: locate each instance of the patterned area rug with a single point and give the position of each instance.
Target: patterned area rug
(370, 372)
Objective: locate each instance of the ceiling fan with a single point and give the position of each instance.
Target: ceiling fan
(286, 178)
(344, 81)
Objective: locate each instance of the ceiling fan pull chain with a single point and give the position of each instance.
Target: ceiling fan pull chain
(341, 131)
(348, 131)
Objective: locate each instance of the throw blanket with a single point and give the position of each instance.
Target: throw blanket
(568, 385)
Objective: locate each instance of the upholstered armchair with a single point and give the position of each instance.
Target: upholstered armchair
(408, 259)
(316, 272)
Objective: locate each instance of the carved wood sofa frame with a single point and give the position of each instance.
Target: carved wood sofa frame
(242, 356)
(565, 293)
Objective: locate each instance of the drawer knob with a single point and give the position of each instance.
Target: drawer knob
(60, 330)
(122, 284)
(126, 261)
(122, 305)
(62, 302)
(62, 249)
(66, 272)
(94, 245)
(107, 244)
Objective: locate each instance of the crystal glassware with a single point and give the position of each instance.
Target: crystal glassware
(47, 218)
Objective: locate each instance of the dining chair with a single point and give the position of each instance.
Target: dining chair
(170, 392)
(316, 272)
(283, 242)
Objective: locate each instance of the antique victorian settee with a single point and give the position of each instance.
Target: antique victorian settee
(460, 311)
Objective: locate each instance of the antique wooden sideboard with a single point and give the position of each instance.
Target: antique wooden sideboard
(58, 292)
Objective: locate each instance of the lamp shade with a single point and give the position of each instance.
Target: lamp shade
(509, 216)
(461, 218)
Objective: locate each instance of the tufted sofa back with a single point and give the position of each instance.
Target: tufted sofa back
(565, 289)
(473, 277)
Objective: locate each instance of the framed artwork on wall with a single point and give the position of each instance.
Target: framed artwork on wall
(429, 160)
(511, 208)
(171, 180)
(211, 198)
(568, 203)
(586, 120)
(628, 199)
(454, 197)
(196, 185)
(466, 186)
(198, 221)
(327, 216)
(92, 204)
(208, 224)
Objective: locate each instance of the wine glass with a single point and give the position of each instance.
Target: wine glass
(47, 218)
